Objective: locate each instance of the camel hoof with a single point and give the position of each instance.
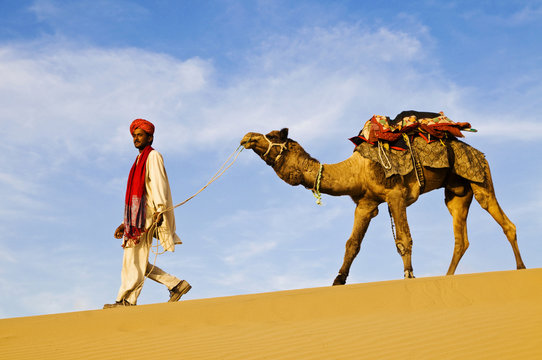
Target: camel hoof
(409, 274)
(339, 280)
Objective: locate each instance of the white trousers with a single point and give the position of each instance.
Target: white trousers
(135, 265)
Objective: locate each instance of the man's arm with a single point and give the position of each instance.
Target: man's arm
(119, 232)
(160, 200)
(158, 184)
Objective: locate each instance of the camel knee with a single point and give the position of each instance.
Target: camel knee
(461, 248)
(400, 249)
(403, 248)
(510, 231)
(482, 199)
(352, 247)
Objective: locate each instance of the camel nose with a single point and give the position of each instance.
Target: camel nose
(247, 140)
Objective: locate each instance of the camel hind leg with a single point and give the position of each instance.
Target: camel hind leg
(458, 204)
(484, 193)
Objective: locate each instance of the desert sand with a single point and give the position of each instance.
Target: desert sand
(496, 315)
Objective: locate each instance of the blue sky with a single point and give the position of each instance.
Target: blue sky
(73, 75)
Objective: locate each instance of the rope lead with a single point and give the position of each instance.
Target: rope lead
(150, 232)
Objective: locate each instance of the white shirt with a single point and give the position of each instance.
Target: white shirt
(158, 198)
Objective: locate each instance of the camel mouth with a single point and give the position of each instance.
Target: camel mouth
(248, 141)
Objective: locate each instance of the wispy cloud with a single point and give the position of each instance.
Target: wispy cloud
(84, 13)
(74, 104)
(528, 13)
(248, 250)
(319, 82)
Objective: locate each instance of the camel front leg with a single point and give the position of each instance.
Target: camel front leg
(365, 211)
(403, 239)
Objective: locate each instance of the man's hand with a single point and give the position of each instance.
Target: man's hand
(119, 232)
(158, 216)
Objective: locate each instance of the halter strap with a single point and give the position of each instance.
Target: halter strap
(271, 144)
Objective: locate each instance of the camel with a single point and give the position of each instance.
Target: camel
(365, 182)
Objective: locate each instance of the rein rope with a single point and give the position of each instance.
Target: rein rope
(150, 232)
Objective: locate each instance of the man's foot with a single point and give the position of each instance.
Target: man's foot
(179, 290)
(118, 304)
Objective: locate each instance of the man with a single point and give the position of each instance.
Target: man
(147, 197)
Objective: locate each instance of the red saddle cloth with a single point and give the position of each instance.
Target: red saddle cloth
(430, 126)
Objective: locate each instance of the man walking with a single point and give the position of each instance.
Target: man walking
(147, 196)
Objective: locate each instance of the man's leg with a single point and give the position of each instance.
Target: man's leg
(176, 287)
(134, 264)
(153, 272)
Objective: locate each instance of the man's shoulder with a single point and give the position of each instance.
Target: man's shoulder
(155, 153)
(154, 158)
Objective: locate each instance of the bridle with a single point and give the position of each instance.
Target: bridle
(271, 144)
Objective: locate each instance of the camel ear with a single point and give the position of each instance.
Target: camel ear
(284, 134)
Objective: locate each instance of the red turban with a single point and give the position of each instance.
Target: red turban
(142, 124)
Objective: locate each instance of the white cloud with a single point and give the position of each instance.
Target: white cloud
(44, 9)
(318, 82)
(248, 250)
(17, 184)
(529, 13)
(84, 13)
(7, 256)
(511, 130)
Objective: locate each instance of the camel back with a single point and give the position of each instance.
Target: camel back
(464, 160)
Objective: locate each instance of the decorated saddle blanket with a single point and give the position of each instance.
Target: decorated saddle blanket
(463, 159)
(430, 126)
(429, 138)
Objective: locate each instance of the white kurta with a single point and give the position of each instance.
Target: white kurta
(135, 263)
(158, 198)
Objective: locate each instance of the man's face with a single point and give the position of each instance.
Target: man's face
(141, 139)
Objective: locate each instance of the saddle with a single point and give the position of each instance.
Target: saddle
(419, 139)
(430, 126)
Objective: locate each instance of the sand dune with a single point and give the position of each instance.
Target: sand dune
(495, 315)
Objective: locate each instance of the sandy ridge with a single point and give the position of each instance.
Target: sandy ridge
(494, 315)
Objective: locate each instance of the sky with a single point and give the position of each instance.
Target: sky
(73, 75)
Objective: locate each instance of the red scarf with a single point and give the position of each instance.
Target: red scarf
(134, 209)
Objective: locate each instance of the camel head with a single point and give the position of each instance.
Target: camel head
(276, 150)
(269, 147)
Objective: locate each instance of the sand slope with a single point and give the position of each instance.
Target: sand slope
(494, 315)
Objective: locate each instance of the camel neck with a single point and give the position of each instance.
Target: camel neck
(310, 173)
(336, 179)
(297, 167)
